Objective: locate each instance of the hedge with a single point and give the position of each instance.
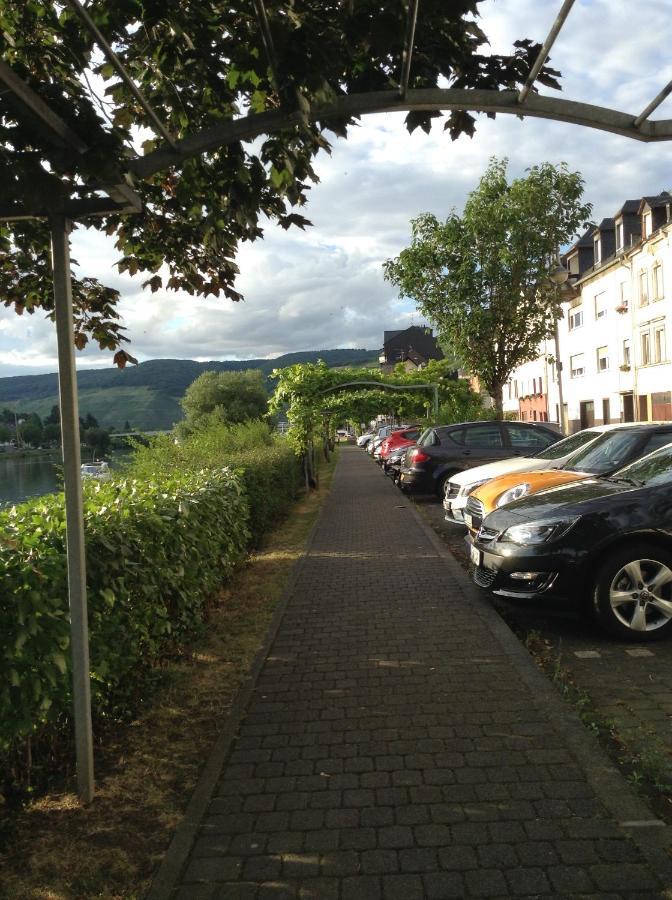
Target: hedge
(157, 550)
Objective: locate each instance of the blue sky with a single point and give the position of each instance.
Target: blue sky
(324, 287)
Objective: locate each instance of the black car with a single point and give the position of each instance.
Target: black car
(605, 540)
(444, 450)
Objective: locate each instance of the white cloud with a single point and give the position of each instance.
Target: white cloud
(324, 287)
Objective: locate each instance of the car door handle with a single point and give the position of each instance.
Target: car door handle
(466, 453)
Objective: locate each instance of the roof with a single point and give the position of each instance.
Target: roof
(629, 208)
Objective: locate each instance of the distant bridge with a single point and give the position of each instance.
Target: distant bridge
(120, 434)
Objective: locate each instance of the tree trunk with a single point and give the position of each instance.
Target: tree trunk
(497, 396)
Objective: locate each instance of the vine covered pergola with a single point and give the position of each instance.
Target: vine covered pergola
(231, 101)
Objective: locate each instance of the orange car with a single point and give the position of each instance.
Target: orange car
(492, 494)
(603, 456)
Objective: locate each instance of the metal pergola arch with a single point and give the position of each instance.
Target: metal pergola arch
(382, 386)
(114, 193)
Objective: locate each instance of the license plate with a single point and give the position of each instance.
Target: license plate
(475, 555)
(468, 520)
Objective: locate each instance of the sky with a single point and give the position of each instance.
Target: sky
(324, 288)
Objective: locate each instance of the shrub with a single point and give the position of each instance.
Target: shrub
(156, 551)
(159, 542)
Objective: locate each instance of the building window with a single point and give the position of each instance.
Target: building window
(658, 343)
(576, 365)
(645, 343)
(647, 225)
(606, 415)
(597, 248)
(643, 287)
(626, 352)
(575, 318)
(515, 385)
(619, 235)
(601, 305)
(658, 281)
(624, 295)
(602, 359)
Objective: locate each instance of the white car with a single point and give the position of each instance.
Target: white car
(463, 483)
(364, 439)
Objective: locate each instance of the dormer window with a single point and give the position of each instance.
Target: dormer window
(619, 235)
(647, 225)
(597, 249)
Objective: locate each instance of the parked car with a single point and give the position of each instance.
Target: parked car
(606, 540)
(445, 450)
(404, 437)
(364, 439)
(382, 434)
(612, 450)
(392, 465)
(461, 485)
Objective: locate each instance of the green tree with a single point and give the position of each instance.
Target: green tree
(482, 277)
(5, 433)
(227, 397)
(98, 439)
(201, 64)
(54, 417)
(31, 431)
(51, 433)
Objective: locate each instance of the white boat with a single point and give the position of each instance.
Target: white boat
(99, 470)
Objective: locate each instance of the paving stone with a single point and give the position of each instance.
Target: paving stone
(486, 883)
(443, 885)
(403, 887)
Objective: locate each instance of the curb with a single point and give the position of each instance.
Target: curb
(650, 834)
(176, 854)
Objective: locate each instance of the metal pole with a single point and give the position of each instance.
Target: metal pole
(74, 511)
(558, 377)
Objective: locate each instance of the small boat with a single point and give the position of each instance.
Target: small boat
(99, 470)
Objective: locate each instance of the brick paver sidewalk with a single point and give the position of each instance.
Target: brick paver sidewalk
(393, 749)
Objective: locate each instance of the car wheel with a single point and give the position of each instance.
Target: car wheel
(442, 483)
(632, 598)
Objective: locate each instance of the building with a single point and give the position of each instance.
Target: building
(615, 332)
(413, 347)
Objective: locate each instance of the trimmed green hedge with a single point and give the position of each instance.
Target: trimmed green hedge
(157, 550)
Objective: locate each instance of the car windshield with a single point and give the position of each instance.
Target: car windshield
(607, 452)
(655, 468)
(569, 445)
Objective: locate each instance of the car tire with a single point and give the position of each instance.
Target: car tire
(441, 484)
(632, 596)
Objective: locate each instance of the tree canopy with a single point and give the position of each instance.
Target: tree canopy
(200, 64)
(483, 277)
(225, 397)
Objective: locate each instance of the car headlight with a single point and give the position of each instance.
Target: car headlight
(514, 493)
(538, 532)
(466, 489)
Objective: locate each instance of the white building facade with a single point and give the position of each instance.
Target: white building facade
(616, 333)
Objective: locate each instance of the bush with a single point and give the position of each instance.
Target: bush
(159, 542)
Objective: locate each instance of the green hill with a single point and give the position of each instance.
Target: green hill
(148, 395)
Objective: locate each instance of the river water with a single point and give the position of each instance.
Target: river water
(28, 476)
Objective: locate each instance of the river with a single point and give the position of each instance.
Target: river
(28, 476)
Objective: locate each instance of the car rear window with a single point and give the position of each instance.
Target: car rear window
(569, 445)
(429, 438)
(411, 435)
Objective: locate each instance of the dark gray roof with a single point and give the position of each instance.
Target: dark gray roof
(629, 207)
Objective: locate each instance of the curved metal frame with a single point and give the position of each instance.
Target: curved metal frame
(390, 387)
(431, 100)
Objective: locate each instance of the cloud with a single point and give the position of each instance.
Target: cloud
(324, 287)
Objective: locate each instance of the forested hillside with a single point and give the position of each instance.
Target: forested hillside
(147, 396)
